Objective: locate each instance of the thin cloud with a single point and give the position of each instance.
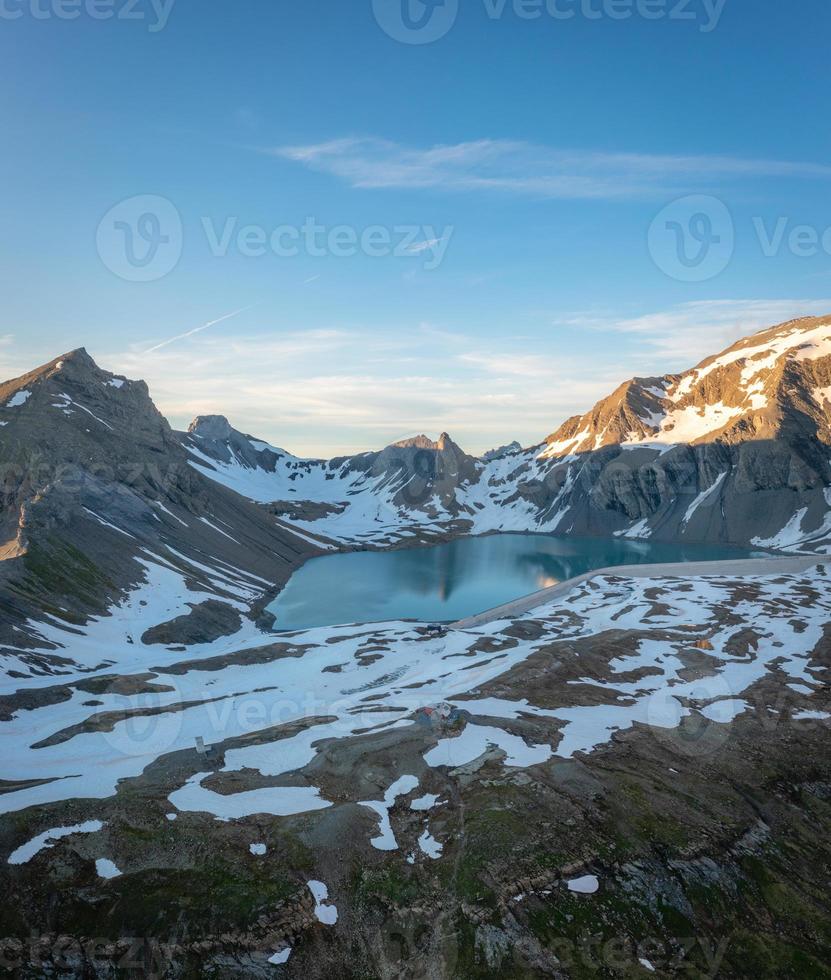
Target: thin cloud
(423, 246)
(342, 391)
(335, 391)
(510, 365)
(195, 330)
(680, 337)
(526, 168)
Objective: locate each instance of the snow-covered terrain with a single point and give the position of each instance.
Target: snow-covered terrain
(67, 748)
(300, 788)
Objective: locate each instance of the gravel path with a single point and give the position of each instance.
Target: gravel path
(684, 569)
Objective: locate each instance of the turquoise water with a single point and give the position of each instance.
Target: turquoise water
(459, 578)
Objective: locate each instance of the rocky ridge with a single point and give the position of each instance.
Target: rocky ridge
(736, 450)
(94, 484)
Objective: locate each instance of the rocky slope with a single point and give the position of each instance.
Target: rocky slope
(736, 450)
(632, 781)
(369, 497)
(94, 487)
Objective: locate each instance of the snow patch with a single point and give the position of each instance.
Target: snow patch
(105, 868)
(790, 534)
(49, 838)
(702, 498)
(325, 913)
(429, 845)
(587, 885)
(101, 520)
(639, 530)
(477, 739)
(424, 803)
(279, 801)
(386, 841)
(724, 711)
(18, 398)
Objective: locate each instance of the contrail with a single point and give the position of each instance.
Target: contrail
(190, 333)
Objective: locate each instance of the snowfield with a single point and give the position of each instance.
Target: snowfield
(320, 680)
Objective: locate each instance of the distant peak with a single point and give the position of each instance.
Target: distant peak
(511, 447)
(211, 427)
(415, 442)
(425, 442)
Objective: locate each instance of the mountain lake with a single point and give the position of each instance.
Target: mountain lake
(458, 578)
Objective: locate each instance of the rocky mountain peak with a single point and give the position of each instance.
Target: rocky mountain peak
(78, 367)
(211, 427)
(751, 390)
(498, 453)
(415, 442)
(78, 358)
(214, 437)
(442, 444)
(76, 370)
(70, 408)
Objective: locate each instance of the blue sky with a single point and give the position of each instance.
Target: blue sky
(539, 151)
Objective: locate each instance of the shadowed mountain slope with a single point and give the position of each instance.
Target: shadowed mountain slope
(94, 485)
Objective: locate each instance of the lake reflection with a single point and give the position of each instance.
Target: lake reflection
(459, 578)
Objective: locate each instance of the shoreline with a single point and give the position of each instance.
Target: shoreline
(749, 567)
